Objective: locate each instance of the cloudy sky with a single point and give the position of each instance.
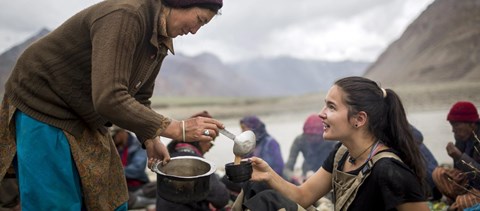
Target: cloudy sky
(311, 29)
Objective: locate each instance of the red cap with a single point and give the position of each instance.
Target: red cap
(463, 111)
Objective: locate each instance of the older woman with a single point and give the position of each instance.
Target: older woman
(97, 69)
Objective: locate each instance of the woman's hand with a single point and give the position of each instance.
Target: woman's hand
(193, 129)
(261, 170)
(202, 129)
(453, 151)
(156, 151)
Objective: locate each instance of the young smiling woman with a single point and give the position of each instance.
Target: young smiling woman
(376, 166)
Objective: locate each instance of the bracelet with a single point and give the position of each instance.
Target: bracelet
(183, 130)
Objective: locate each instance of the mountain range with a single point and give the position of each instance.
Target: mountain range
(206, 75)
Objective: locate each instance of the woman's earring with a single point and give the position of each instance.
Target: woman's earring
(356, 125)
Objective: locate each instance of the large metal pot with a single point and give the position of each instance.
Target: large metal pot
(184, 179)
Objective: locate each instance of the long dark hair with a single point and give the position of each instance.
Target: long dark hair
(386, 118)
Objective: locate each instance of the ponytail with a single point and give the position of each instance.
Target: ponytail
(399, 135)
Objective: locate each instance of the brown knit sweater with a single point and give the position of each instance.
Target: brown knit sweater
(99, 67)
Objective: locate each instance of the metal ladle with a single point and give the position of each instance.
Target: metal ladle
(244, 143)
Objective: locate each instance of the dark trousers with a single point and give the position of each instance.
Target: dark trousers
(258, 196)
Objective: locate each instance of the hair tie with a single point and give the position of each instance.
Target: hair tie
(384, 92)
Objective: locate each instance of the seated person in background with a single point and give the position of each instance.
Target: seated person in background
(218, 195)
(461, 185)
(430, 162)
(134, 160)
(312, 146)
(266, 147)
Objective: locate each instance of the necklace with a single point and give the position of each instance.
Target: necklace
(353, 159)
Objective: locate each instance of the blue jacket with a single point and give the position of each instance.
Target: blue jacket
(314, 150)
(268, 149)
(136, 160)
(430, 161)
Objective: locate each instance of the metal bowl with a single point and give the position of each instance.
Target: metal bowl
(184, 179)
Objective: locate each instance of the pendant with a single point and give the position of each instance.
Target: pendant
(351, 160)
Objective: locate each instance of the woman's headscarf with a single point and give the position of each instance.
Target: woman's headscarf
(313, 129)
(313, 125)
(256, 125)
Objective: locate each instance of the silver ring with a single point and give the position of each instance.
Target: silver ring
(206, 132)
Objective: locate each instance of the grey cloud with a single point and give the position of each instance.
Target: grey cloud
(246, 28)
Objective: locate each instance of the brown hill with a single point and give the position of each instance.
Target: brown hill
(442, 44)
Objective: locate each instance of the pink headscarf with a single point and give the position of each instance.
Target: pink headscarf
(313, 125)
